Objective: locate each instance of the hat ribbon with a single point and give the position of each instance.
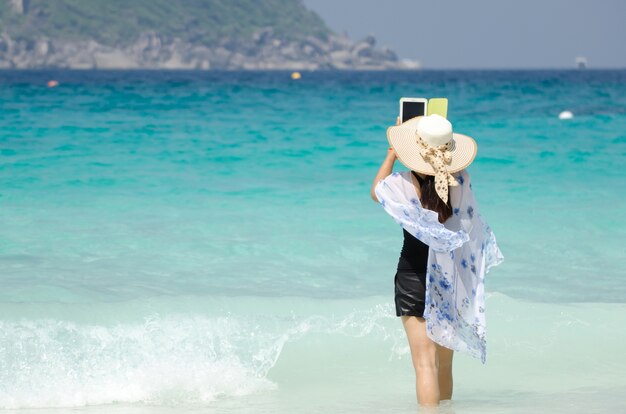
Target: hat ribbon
(438, 157)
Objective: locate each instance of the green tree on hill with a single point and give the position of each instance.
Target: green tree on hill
(119, 22)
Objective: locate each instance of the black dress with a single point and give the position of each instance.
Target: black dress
(410, 279)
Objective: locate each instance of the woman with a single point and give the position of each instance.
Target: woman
(439, 291)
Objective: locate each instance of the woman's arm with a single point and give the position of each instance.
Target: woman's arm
(385, 168)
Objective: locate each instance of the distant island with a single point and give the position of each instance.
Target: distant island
(180, 34)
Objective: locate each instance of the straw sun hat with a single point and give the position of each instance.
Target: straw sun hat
(427, 145)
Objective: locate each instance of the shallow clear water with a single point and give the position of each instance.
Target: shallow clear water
(207, 240)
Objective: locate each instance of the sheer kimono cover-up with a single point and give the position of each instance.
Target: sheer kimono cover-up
(461, 252)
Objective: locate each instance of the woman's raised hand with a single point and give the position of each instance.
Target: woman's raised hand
(385, 168)
(391, 153)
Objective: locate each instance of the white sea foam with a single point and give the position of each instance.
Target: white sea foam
(295, 348)
(178, 358)
(50, 363)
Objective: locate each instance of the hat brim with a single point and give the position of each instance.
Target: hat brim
(403, 140)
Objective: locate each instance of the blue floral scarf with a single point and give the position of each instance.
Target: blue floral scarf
(462, 250)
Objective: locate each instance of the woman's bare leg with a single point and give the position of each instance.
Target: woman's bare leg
(445, 372)
(425, 360)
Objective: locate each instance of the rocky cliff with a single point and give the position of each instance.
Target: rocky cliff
(179, 34)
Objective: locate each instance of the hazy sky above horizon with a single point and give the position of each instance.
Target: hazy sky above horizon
(487, 33)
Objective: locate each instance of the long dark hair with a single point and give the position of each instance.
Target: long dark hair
(431, 200)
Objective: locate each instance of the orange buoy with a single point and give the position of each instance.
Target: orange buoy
(295, 75)
(53, 83)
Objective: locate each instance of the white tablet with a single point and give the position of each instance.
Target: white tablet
(412, 107)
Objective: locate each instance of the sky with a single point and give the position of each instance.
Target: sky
(495, 34)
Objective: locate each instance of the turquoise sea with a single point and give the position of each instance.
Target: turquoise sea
(206, 242)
